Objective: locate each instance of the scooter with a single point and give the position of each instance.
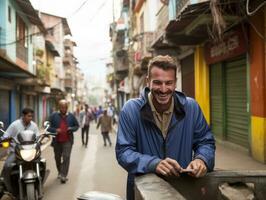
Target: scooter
(28, 172)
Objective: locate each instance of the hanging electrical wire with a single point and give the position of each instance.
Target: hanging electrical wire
(250, 13)
(52, 27)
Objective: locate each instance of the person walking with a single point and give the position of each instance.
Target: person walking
(105, 122)
(163, 131)
(86, 117)
(63, 124)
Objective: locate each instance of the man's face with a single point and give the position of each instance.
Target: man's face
(162, 84)
(27, 118)
(63, 108)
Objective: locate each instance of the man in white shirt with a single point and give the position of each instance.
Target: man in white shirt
(24, 123)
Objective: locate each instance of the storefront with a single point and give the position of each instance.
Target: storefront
(4, 108)
(229, 116)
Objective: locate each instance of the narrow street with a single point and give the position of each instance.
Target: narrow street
(91, 169)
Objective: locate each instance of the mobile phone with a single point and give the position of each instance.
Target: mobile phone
(186, 170)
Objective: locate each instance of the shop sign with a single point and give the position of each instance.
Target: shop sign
(231, 46)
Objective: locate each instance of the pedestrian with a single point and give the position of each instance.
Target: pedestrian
(19, 125)
(105, 122)
(63, 123)
(163, 131)
(77, 111)
(94, 112)
(85, 118)
(99, 112)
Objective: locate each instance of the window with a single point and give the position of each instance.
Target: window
(22, 32)
(51, 31)
(9, 14)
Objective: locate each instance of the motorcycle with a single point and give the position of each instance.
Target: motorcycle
(28, 172)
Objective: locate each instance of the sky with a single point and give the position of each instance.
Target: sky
(89, 22)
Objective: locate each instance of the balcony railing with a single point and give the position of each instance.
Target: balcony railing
(145, 44)
(43, 74)
(69, 83)
(162, 21)
(22, 52)
(180, 5)
(68, 60)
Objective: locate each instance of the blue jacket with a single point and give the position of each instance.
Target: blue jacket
(72, 124)
(141, 146)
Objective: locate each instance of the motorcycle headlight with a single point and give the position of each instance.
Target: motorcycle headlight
(5, 144)
(28, 154)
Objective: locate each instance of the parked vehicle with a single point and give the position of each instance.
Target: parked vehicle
(28, 172)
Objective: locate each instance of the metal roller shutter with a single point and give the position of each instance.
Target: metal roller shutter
(217, 103)
(4, 107)
(188, 80)
(236, 102)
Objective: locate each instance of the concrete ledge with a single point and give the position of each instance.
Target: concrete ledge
(152, 187)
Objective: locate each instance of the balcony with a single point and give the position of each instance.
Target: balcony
(180, 5)
(22, 52)
(69, 84)
(43, 74)
(68, 60)
(56, 84)
(119, 40)
(162, 21)
(192, 26)
(145, 44)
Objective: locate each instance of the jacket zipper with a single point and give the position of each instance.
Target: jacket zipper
(164, 148)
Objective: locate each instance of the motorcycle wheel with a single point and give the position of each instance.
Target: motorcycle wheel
(31, 193)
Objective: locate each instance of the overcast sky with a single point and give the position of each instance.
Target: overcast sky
(89, 22)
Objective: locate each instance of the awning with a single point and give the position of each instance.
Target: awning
(51, 47)
(9, 69)
(194, 24)
(30, 12)
(66, 28)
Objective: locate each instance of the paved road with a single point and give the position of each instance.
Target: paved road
(92, 168)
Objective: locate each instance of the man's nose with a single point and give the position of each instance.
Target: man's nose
(163, 87)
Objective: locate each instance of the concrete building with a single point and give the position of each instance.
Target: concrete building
(19, 23)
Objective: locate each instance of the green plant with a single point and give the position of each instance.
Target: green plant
(39, 52)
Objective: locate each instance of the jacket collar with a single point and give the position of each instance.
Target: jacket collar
(179, 101)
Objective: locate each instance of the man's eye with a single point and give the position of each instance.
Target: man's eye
(169, 83)
(157, 82)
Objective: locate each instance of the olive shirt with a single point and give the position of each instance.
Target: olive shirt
(162, 120)
(106, 123)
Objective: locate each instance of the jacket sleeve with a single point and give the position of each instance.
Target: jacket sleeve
(203, 141)
(52, 128)
(127, 153)
(74, 125)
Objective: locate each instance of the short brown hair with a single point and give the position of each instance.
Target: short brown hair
(162, 62)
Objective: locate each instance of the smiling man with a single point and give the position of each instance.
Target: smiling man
(163, 131)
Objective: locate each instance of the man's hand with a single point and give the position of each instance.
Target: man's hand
(168, 167)
(58, 130)
(199, 168)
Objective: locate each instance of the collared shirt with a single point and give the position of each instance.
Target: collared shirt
(17, 126)
(162, 120)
